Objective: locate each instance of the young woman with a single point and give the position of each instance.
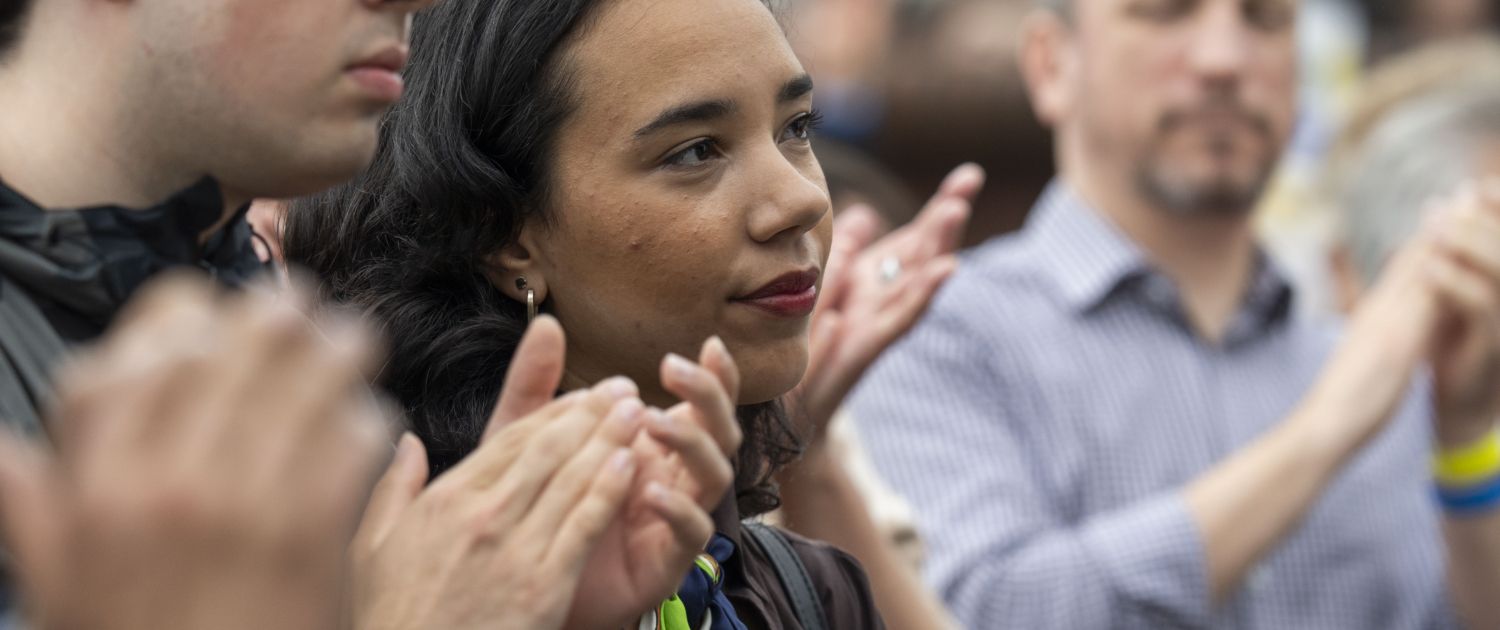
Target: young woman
(640, 170)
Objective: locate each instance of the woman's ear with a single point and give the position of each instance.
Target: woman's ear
(517, 267)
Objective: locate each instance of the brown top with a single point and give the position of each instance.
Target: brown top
(752, 586)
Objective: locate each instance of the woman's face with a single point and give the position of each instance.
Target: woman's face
(686, 198)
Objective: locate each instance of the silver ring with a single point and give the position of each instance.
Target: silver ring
(890, 269)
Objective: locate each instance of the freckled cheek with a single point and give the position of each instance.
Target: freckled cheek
(683, 270)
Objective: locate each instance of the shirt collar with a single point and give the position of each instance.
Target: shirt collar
(1089, 260)
(1085, 255)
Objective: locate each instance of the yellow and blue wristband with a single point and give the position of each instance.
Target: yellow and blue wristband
(1468, 478)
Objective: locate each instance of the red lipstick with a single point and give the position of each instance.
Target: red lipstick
(790, 295)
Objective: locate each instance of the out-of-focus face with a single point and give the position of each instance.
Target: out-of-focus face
(1194, 98)
(686, 198)
(275, 98)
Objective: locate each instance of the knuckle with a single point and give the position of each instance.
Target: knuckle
(444, 496)
(482, 523)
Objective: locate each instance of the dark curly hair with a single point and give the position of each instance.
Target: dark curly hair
(463, 161)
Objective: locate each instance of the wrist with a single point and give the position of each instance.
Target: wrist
(1457, 434)
(1468, 476)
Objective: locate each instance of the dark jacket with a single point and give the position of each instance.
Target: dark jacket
(761, 602)
(64, 274)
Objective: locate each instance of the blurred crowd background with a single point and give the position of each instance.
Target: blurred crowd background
(909, 88)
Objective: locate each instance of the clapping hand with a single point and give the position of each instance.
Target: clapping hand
(874, 291)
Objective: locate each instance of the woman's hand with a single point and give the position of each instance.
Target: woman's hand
(873, 292)
(500, 540)
(685, 458)
(212, 457)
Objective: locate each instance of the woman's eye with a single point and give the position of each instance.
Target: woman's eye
(700, 152)
(803, 126)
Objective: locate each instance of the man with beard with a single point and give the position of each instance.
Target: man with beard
(1114, 418)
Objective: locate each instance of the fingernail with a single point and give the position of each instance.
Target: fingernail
(661, 419)
(623, 461)
(627, 412)
(679, 367)
(964, 171)
(619, 387)
(718, 345)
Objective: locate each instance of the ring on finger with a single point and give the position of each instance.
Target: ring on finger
(890, 269)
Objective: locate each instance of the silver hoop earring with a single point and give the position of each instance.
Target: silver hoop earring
(530, 299)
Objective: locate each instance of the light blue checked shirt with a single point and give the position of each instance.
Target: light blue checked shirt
(1046, 414)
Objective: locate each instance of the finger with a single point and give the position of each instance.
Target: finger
(692, 527)
(1474, 237)
(707, 402)
(1463, 289)
(1488, 191)
(28, 506)
(543, 506)
(716, 359)
(394, 493)
(938, 230)
(913, 297)
(170, 290)
(908, 303)
(590, 518)
(581, 410)
(297, 405)
(588, 430)
(534, 375)
(853, 231)
(122, 403)
(706, 465)
(262, 333)
(949, 226)
(855, 228)
(965, 182)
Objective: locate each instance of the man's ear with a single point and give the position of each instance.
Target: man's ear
(1047, 64)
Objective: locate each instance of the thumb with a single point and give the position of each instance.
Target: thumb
(535, 373)
(395, 492)
(29, 512)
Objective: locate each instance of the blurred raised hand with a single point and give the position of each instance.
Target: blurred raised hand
(212, 456)
(591, 492)
(1466, 352)
(875, 289)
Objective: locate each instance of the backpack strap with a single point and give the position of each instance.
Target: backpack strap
(791, 572)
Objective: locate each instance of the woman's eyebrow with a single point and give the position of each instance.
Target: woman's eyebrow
(795, 89)
(702, 111)
(689, 113)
